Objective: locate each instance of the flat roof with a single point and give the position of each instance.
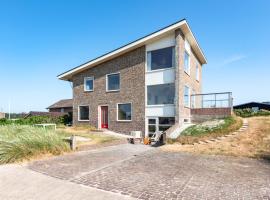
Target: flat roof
(182, 24)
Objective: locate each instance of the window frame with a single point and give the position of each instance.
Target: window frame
(187, 106)
(107, 82)
(79, 113)
(197, 73)
(193, 99)
(163, 69)
(187, 72)
(131, 112)
(153, 105)
(85, 80)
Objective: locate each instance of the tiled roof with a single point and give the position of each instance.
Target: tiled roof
(50, 114)
(64, 103)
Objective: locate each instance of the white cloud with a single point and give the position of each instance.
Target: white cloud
(227, 61)
(232, 59)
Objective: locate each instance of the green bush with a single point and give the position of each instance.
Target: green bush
(20, 142)
(36, 120)
(248, 112)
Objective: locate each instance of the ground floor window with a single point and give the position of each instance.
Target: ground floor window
(83, 113)
(159, 124)
(124, 112)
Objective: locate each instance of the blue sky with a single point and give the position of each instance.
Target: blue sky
(41, 39)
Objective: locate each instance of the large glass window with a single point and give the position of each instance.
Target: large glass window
(113, 82)
(186, 63)
(152, 126)
(83, 113)
(159, 124)
(160, 59)
(197, 73)
(124, 112)
(165, 123)
(160, 94)
(186, 96)
(193, 99)
(88, 83)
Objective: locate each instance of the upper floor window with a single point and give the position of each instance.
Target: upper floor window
(113, 82)
(160, 59)
(124, 111)
(193, 99)
(187, 62)
(197, 73)
(160, 94)
(186, 96)
(88, 84)
(83, 113)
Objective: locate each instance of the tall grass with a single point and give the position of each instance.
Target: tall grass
(21, 142)
(198, 132)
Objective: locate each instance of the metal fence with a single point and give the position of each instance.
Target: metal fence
(212, 100)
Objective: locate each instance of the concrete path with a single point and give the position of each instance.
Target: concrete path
(19, 183)
(136, 171)
(25, 182)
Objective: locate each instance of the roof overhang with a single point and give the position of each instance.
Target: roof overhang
(183, 25)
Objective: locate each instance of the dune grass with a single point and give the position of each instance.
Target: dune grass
(22, 142)
(198, 132)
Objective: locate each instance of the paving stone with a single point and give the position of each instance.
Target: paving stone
(167, 175)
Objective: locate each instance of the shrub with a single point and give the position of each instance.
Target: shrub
(198, 132)
(36, 120)
(22, 142)
(248, 112)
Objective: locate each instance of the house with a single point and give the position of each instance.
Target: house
(254, 106)
(146, 85)
(49, 114)
(2, 115)
(64, 106)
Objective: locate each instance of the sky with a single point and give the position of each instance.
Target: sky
(41, 39)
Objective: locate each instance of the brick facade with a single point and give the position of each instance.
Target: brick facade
(203, 114)
(182, 78)
(131, 66)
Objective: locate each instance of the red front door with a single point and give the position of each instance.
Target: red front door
(104, 116)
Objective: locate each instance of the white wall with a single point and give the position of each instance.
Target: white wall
(156, 77)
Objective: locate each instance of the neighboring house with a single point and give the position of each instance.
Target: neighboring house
(254, 106)
(2, 115)
(146, 85)
(64, 106)
(50, 114)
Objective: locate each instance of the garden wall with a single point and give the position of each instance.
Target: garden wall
(203, 114)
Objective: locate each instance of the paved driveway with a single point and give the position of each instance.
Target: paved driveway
(137, 171)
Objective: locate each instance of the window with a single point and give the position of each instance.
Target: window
(197, 73)
(160, 59)
(193, 99)
(152, 126)
(159, 124)
(124, 112)
(88, 84)
(186, 96)
(113, 82)
(186, 63)
(160, 94)
(83, 113)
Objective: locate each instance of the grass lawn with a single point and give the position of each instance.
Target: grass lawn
(202, 132)
(86, 132)
(21, 142)
(253, 143)
(24, 142)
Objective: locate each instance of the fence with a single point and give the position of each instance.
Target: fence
(212, 100)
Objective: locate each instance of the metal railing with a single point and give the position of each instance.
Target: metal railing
(212, 100)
